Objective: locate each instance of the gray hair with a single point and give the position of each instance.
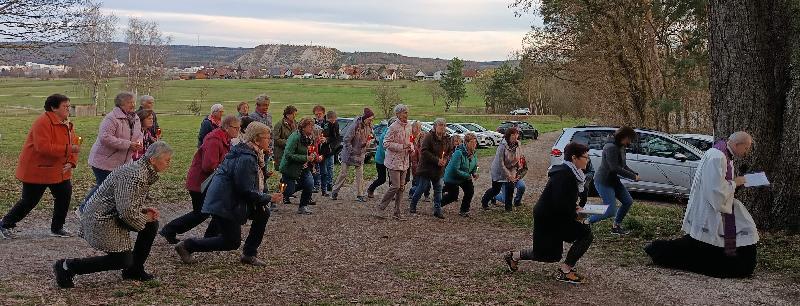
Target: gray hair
(228, 120)
(216, 107)
(122, 97)
(740, 137)
(262, 98)
(255, 130)
(439, 121)
(400, 108)
(145, 98)
(157, 149)
(331, 114)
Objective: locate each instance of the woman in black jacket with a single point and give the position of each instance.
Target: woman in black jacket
(555, 218)
(607, 182)
(329, 149)
(237, 191)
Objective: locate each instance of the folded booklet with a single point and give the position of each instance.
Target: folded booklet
(756, 179)
(593, 209)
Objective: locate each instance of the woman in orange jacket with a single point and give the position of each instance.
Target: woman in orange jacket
(48, 156)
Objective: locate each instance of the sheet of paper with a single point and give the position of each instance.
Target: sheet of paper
(756, 179)
(593, 209)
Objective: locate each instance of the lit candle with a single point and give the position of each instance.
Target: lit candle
(80, 140)
(158, 133)
(283, 187)
(442, 154)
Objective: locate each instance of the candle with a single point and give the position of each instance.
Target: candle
(80, 140)
(283, 187)
(158, 133)
(412, 138)
(442, 154)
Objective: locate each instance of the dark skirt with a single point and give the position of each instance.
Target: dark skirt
(689, 254)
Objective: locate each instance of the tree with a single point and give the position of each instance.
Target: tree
(480, 85)
(755, 86)
(147, 55)
(434, 90)
(502, 93)
(386, 97)
(29, 25)
(453, 84)
(95, 52)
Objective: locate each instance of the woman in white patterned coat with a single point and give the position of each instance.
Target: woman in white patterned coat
(116, 209)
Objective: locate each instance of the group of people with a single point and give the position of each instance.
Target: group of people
(236, 154)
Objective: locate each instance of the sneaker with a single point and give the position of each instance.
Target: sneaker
(315, 190)
(371, 194)
(464, 214)
(334, 196)
(361, 199)
(304, 211)
(312, 202)
(486, 206)
(619, 230)
(330, 188)
(184, 254)
(325, 193)
(63, 276)
(518, 204)
(6, 233)
(438, 214)
(427, 199)
(413, 211)
(62, 233)
(137, 275)
(253, 261)
(572, 277)
(286, 201)
(169, 237)
(513, 265)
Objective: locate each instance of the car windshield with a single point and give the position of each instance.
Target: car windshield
(457, 128)
(525, 125)
(473, 128)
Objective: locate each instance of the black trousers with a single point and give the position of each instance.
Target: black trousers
(451, 194)
(128, 260)
(230, 235)
(191, 219)
(548, 241)
(497, 187)
(689, 254)
(380, 179)
(32, 194)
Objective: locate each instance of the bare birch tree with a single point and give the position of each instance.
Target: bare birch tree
(95, 52)
(147, 54)
(29, 25)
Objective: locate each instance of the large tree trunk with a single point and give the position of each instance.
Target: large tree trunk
(751, 89)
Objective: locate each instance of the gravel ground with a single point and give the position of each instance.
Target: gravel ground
(342, 254)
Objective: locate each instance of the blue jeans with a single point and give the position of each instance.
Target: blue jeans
(326, 173)
(517, 196)
(100, 175)
(423, 183)
(317, 176)
(414, 183)
(306, 184)
(609, 194)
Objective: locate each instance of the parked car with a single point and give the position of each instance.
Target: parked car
(521, 111)
(483, 140)
(372, 146)
(493, 136)
(700, 141)
(528, 131)
(428, 126)
(380, 128)
(665, 164)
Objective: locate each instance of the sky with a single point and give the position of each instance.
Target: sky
(480, 30)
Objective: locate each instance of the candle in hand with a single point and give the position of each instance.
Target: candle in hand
(80, 140)
(158, 133)
(283, 187)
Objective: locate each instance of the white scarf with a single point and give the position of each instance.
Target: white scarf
(579, 175)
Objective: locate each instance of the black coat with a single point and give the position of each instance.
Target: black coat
(334, 143)
(233, 193)
(554, 216)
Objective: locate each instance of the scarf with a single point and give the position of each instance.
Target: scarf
(579, 175)
(261, 164)
(216, 122)
(131, 119)
(728, 220)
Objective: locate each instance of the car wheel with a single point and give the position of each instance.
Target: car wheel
(536, 136)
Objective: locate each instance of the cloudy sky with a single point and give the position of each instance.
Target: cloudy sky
(469, 29)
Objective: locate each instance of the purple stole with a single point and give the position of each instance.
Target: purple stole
(728, 220)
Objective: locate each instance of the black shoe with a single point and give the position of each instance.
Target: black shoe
(312, 202)
(464, 214)
(315, 190)
(62, 233)
(518, 204)
(361, 199)
(334, 196)
(169, 237)
(438, 215)
(286, 201)
(63, 277)
(412, 211)
(5, 233)
(572, 277)
(137, 274)
(486, 207)
(619, 230)
(252, 260)
(325, 194)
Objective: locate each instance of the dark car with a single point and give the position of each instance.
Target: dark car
(528, 131)
(380, 128)
(372, 146)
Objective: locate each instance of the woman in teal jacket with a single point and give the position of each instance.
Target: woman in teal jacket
(296, 164)
(460, 172)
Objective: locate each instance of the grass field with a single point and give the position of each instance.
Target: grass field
(22, 99)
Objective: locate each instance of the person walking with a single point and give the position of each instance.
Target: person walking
(296, 164)
(280, 134)
(397, 161)
(210, 123)
(261, 113)
(382, 175)
(356, 139)
(461, 171)
(433, 159)
(504, 169)
(607, 180)
(329, 149)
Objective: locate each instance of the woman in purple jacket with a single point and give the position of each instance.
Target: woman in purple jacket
(119, 137)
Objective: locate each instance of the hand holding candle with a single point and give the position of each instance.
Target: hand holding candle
(282, 187)
(158, 133)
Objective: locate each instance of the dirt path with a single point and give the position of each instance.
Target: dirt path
(342, 254)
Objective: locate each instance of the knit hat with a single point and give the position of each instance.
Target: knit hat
(368, 113)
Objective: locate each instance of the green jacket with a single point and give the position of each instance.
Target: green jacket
(461, 166)
(294, 157)
(280, 135)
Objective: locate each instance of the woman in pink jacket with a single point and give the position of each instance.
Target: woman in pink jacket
(398, 159)
(119, 137)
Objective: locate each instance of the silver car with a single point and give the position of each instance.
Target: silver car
(700, 141)
(665, 164)
(483, 141)
(492, 138)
